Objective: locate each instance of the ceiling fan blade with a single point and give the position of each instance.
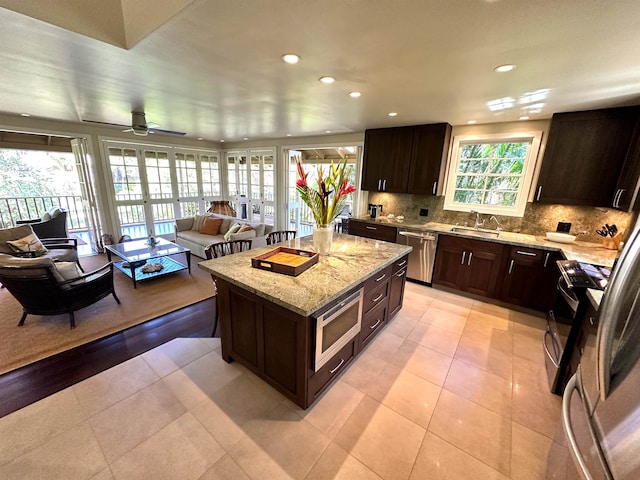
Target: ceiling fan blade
(168, 132)
(106, 123)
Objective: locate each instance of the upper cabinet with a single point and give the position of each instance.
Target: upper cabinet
(584, 156)
(626, 194)
(405, 159)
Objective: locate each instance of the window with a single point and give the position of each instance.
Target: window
(492, 173)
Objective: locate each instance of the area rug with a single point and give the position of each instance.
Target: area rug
(42, 336)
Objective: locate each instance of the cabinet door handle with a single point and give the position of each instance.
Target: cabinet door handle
(372, 327)
(511, 266)
(331, 372)
(614, 204)
(384, 185)
(435, 187)
(371, 228)
(529, 254)
(469, 261)
(402, 263)
(401, 273)
(380, 295)
(539, 193)
(464, 255)
(379, 183)
(381, 277)
(546, 260)
(622, 190)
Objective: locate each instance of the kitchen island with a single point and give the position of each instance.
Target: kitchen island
(268, 320)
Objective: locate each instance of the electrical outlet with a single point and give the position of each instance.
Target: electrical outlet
(424, 212)
(563, 227)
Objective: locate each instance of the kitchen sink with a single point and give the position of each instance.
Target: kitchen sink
(476, 232)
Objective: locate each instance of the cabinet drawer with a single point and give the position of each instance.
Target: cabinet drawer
(372, 323)
(331, 369)
(375, 297)
(400, 264)
(525, 253)
(376, 231)
(377, 279)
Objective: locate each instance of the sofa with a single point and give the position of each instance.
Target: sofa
(196, 233)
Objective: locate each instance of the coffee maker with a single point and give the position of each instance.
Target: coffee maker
(375, 210)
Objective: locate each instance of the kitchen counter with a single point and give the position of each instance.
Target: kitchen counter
(580, 251)
(352, 259)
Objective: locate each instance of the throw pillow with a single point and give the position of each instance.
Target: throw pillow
(210, 226)
(66, 271)
(226, 224)
(30, 243)
(245, 228)
(233, 229)
(198, 220)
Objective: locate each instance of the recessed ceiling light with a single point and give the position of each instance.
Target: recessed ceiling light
(392, 114)
(471, 122)
(246, 138)
(327, 79)
(221, 141)
(355, 94)
(288, 134)
(504, 68)
(524, 117)
(327, 131)
(200, 138)
(25, 114)
(290, 58)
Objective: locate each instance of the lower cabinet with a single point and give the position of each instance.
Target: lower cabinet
(469, 265)
(278, 344)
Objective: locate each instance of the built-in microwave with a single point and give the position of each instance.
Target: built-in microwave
(337, 326)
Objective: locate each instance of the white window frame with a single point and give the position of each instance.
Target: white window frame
(533, 137)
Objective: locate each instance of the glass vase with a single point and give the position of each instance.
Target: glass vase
(322, 239)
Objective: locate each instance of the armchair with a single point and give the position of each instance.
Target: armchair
(53, 227)
(59, 249)
(45, 288)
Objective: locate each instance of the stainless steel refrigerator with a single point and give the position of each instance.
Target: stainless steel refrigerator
(601, 402)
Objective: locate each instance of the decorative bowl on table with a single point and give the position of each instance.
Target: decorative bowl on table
(560, 237)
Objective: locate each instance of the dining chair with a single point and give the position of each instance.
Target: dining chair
(280, 236)
(221, 249)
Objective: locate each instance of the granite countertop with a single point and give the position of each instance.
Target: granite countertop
(352, 260)
(580, 251)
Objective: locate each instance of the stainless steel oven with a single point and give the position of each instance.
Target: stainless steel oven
(337, 326)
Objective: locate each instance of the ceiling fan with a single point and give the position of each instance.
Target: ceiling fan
(139, 126)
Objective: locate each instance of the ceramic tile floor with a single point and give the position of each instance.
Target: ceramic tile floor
(452, 389)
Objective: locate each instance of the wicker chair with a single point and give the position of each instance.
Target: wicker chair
(280, 236)
(221, 249)
(41, 290)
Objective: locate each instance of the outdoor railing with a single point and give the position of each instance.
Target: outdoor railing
(27, 208)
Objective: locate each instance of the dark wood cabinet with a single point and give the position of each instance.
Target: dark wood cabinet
(387, 156)
(626, 194)
(530, 278)
(405, 159)
(469, 265)
(584, 156)
(375, 305)
(396, 286)
(377, 231)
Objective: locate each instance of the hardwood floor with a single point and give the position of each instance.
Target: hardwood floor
(33, 382)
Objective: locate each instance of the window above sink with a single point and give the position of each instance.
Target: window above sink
(492, 172)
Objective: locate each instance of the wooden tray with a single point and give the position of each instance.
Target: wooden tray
(289, 261)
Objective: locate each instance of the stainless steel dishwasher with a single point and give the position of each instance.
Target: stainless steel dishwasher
(422, 256)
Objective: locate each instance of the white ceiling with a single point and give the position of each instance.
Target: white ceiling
(214, 70)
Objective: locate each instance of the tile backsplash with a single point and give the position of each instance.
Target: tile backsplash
(538, 218)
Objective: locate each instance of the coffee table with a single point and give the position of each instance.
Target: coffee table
(136, 253)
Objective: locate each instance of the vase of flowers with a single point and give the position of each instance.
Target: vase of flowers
(326, 199)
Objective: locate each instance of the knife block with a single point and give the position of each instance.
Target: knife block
(612, 243)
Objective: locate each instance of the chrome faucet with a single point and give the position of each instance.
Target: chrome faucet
(495, 219)
(478, 223)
